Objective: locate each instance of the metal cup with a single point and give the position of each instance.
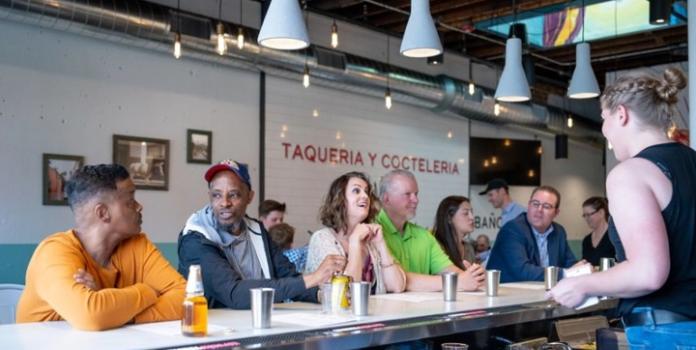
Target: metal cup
(261, 307)
(359, 297)
(550, 277)
(492, 282)
(606, 263)
(326, 304)
(449, 286)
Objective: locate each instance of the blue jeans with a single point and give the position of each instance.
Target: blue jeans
(680, 335)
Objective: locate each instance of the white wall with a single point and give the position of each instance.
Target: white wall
(578, 177)
(67, 94)
(365, 125)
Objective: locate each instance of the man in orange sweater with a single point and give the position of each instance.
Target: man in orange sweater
(104, 273)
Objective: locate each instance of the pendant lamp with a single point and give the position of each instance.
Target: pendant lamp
(420, 38)
(583, 84)
(283, 28)
(513, 86)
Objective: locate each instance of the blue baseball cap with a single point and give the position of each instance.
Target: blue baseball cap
(239, 169)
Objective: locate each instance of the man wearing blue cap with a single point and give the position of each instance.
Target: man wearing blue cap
(235, 251)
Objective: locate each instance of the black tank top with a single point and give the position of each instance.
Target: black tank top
(678, 294)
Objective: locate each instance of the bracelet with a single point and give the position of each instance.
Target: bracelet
(388, 266)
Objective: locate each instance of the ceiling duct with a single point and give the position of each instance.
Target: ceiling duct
(131, 21)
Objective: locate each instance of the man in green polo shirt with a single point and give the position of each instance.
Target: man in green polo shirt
(414, 247)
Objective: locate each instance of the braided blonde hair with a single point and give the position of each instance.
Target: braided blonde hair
(653, 99)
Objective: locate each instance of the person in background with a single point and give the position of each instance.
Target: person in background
(104, 273)
(482, 249)
(531, 242)
(414, 247)
(271, 213)
(235, 251)
(498, 194)
(347, 213)
(596, 245)
(651, 200)
(454, 222)
(283, 235)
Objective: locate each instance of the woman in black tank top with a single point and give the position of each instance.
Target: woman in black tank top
(652, 200)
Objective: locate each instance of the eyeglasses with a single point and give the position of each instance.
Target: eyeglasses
(587, 215)
(546, 206)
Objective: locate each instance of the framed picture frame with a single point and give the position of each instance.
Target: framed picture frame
(199, 146)
(57, 170)
(146, 159)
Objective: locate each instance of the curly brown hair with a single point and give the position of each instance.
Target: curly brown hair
(333, 212)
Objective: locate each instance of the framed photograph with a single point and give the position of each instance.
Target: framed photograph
(199, 146)
(57, 170)
(146, 159)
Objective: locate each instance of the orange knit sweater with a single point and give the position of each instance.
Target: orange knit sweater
(137, 286)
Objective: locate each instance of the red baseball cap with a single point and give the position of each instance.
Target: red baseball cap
(240, 169)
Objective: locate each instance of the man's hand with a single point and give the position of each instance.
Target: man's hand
(331, 264)
(473, 278)
(85, 278)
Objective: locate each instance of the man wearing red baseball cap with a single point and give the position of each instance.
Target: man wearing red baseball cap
(235, 251)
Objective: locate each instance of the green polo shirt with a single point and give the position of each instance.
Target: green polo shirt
(416, 250)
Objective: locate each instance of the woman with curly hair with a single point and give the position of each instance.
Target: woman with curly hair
(653, 207)
(347, 213)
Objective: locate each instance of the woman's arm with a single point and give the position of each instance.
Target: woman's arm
(636, 204)
(394, 275)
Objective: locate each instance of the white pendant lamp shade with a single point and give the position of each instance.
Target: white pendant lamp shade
(283, 28)
(420, 38)
(513, 86)
(583, 84)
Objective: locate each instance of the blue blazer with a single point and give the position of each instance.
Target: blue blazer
(516, 255)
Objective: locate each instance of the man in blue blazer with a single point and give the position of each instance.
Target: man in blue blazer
(532, 241)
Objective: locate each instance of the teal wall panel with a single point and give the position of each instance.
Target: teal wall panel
(14, 258)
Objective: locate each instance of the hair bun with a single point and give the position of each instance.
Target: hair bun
(673, 81)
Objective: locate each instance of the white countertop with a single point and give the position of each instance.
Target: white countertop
(236, 324)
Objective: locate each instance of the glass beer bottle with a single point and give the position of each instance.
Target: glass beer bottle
(195, 320)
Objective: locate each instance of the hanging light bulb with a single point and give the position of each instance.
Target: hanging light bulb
(472, 88)
(305, 76)
(177, 46)
(334, 35)
(387, 99)
(569, 122)
(221, 46)
(496, 109)
(315, 113)
(507, 143)
(486, 164)
(240, 38)
(540, 150)
(449, 134)
(530, 173)
(494, 160)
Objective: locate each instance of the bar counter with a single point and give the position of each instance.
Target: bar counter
(392, 318)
